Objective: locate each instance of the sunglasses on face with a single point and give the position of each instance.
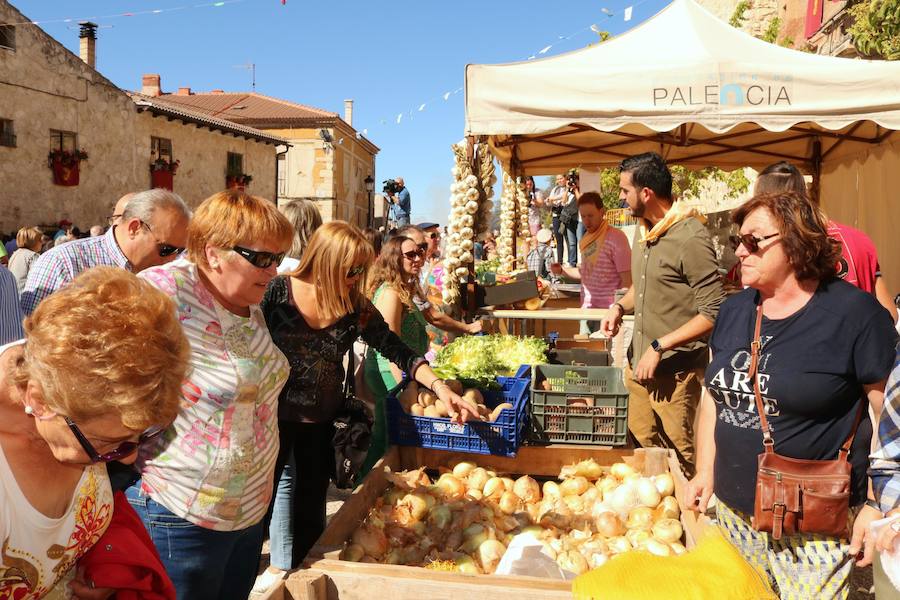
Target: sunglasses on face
(162, 249)
(356, 271)
(414, 254)
(423, 247)
(434, 235)
(124, 449)
(749, 241)
(258, 258)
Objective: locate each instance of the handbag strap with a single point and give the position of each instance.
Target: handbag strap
(768, 441)
(349, 379)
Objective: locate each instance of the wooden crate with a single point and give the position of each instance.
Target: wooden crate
(325, 577)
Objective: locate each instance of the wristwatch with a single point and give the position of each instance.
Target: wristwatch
(657, 347)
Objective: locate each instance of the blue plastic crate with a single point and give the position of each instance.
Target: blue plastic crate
(502, 437)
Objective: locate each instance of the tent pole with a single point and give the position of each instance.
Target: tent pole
(514, 169)
(817, 171)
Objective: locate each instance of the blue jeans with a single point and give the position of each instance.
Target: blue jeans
(203, 564)
(281, 527)
(572, 243)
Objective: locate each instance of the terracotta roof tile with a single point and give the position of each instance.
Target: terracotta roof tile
(249, 107)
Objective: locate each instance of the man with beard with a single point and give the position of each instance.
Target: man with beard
(675, 299)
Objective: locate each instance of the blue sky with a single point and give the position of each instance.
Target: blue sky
(390, 56)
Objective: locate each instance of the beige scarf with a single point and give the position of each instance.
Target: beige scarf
(677, 212)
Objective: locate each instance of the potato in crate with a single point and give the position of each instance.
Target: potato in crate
(578, 405)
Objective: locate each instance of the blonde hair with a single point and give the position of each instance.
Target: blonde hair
(107, 342)
(28, 237)
(231, 218)
(388, 269)
(334, 249)
(305, 217)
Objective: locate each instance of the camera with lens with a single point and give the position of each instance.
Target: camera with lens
(391, 187)
(572, 178)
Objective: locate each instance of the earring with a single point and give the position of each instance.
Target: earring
(29, 410)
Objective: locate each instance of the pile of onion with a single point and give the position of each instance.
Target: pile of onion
(466, 518)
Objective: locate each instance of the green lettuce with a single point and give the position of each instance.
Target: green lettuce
(482, 358)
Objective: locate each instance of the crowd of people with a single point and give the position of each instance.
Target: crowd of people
(189, 366)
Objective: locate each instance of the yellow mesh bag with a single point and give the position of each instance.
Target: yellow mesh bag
(713, 569)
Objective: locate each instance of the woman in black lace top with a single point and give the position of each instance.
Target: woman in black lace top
(314, 316)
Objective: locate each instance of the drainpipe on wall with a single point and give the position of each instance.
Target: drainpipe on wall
(277, 160)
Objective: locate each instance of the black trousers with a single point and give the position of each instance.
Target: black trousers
(314, 457)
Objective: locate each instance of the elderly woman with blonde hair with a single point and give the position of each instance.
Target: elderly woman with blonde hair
(315, 314)
(98, 373)
(29, 241)
(206, 484)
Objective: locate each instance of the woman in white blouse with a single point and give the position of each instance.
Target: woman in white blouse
(206, 484)
(99, 371)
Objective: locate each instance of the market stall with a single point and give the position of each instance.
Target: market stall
(701, 93)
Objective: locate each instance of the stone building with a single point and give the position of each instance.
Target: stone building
(328, 160)
(52, 100)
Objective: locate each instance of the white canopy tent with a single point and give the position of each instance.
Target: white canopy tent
(702, 93)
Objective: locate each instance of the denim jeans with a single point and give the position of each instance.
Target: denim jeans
(572, 243)
(281, 527)
(559, 237)
(203, 564)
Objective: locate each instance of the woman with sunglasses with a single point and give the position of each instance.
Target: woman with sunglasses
(206, 483)
(315, 314)
(826, 350)
(98, 373)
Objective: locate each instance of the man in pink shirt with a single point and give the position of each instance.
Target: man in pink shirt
(605, 258)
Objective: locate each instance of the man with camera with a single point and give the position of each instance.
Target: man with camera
(564, 207)
(400, 202)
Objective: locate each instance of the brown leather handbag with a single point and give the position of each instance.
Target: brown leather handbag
(796, 495)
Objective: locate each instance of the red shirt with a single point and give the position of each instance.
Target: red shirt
(859, 260)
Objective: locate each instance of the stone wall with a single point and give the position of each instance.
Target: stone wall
(756, 18)
(43, 86)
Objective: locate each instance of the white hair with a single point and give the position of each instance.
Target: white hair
(143, 204)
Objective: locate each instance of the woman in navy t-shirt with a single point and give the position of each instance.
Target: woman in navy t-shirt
(826, 347)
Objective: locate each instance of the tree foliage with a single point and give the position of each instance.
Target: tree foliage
(876, 28)
(737, 17)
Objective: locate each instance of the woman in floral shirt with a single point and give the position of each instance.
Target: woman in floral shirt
(315, 315)
(206, 484)
(98, 372)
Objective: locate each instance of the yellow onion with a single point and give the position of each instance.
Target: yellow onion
(573, 562)
(588, 468)
(607, 485)
(509, 503)
(418, 505)
(394, 557)
(668, 509)
(508, 483)
(463, 469)
(591, 496)
(527, 489)
(623, 498)
(618, 545)
(551, 489)
(574, 486)
(353, 553)
(368, 559)
(465, 564)
(440, 516)
(647, 493)
(477, 478)
(657, 547)
(393, 496)
(494, 488)
(451, 486)
(575, 503)
(560, 515)
(639, 518)
(598, 559)
(677, 548)
(505, 523)
(474, 494)
(372, 540)
(638, 537)
(535, 531)
(609, 525)
(664, 483)
(667, 530)
(620, 471)
(489, 554)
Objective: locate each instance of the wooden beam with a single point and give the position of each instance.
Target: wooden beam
(516, 139)
(842, 139)
(837, 135)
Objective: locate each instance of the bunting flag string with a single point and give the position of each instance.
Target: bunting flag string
(135, 13)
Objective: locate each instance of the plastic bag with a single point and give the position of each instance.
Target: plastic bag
(890, 561)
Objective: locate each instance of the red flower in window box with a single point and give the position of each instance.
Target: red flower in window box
(237, 181)
(65, 166)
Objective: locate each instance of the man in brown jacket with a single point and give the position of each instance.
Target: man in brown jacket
(675, 298)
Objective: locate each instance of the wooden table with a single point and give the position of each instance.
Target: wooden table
(535, 322)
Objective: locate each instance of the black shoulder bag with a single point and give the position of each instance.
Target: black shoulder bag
(352, 433)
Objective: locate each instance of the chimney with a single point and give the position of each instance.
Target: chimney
(150, 85)
(348, 112)
(184, 91)
(88, 46)
(217, 92)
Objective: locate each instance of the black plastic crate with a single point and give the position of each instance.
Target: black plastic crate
(583, 405)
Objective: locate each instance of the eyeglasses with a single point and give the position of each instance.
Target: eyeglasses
(749, 241)
(124, 449)
(162, 249)
(434, 235)
(113, 218)
(423, 247)
(258, 258)
(414, 254)
(356, 271)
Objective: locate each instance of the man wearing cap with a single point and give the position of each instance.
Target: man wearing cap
(401, 205)
(541, 259)
(65, 226)
(153, 231)
(432, 233)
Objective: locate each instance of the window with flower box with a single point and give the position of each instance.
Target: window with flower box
(7, 133)
(161, 148)
(63, 140)
(235, 164)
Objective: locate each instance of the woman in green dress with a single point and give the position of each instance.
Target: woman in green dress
(393, 286)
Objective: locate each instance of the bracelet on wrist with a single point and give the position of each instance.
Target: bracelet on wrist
(874, 504)
(619, 306)
(437, 382)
